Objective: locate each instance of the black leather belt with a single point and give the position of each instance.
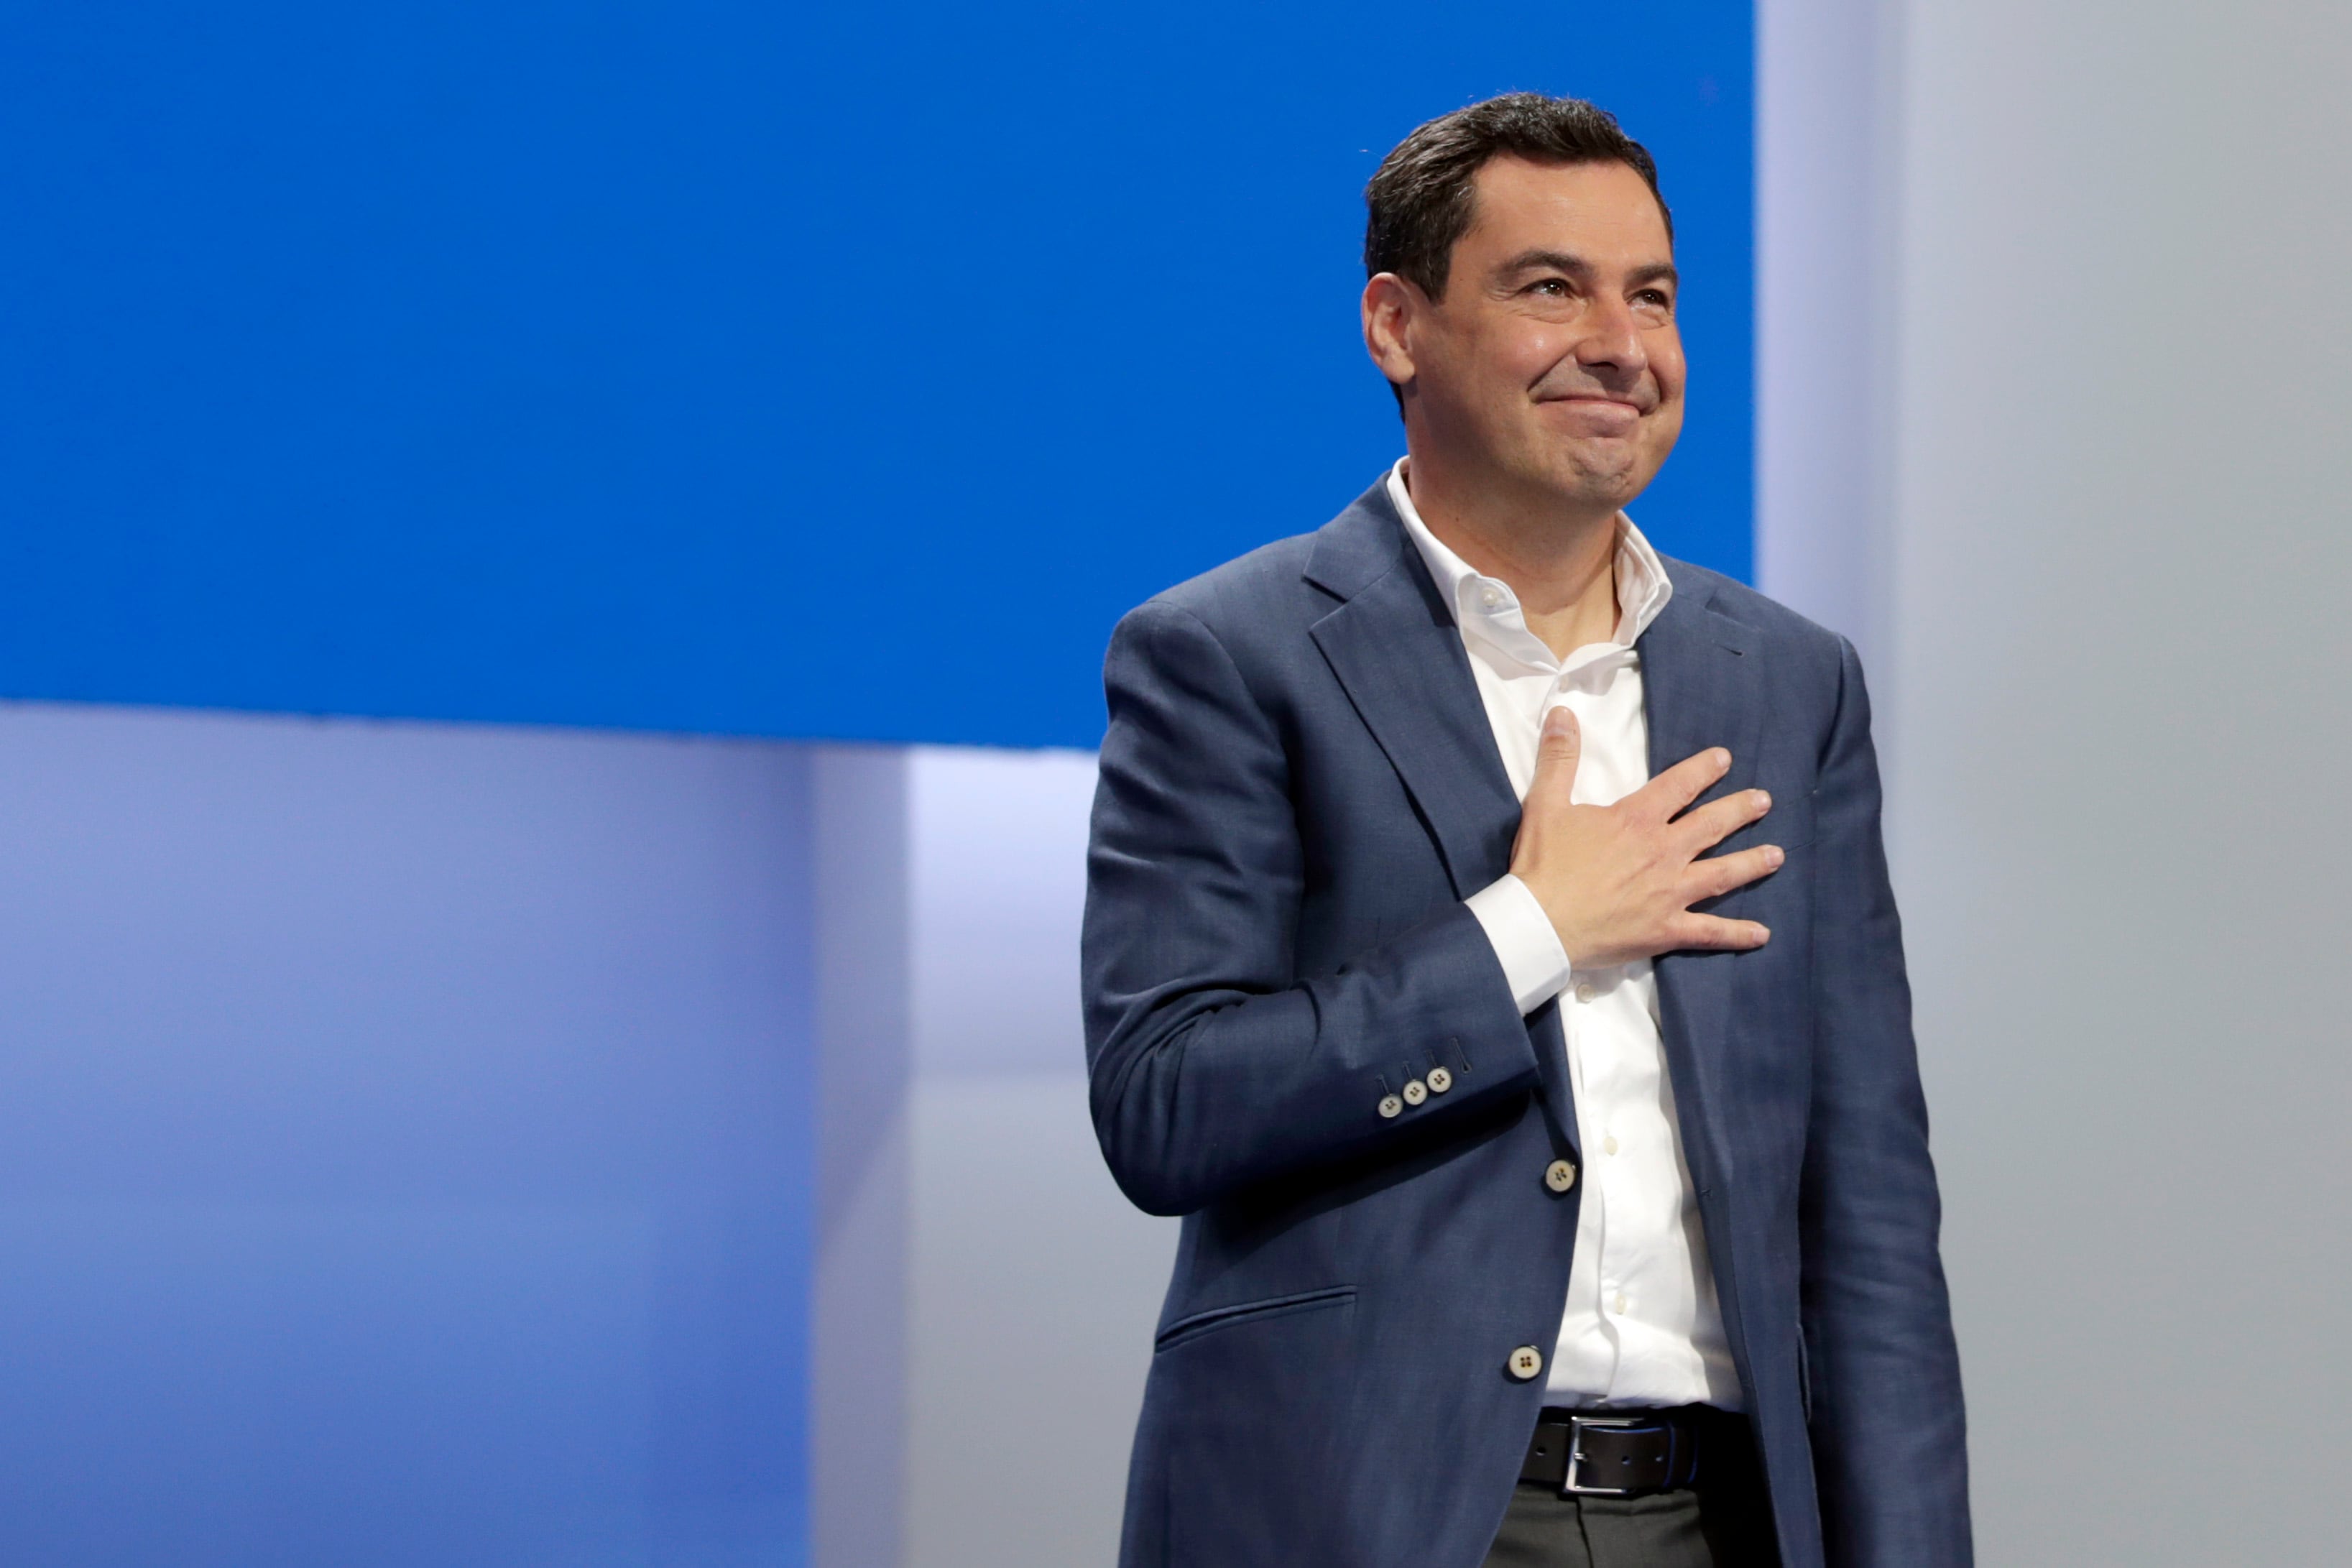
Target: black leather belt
(1625, 1453)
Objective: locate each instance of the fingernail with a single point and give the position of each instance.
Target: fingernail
(1773, 856)
(1766, 937)
(1722, 758)
(1763, 801)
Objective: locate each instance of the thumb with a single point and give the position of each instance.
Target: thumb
(1557, 752)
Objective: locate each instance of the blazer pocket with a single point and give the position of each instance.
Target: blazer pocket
(1804, 1375)
(1790, 824)
(1185, 1329)
(1795, 826)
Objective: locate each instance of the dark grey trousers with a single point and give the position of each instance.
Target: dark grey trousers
(1728, 1525)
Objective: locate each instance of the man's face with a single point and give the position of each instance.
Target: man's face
(1552, 362)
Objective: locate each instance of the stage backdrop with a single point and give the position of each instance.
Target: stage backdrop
(795, 371)
(495, 1143)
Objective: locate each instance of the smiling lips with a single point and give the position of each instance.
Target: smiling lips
(1602, 407)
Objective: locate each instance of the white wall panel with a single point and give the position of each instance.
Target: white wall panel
(1828, 167)
(857, 1365)
(2113, 672)
(998, 841)
(1033, 1285)
(1032, 1301)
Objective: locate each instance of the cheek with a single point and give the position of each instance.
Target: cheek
(1666, 365)
(1513, 355)
(1536, 352)
(1660, 432)
(1665, 427)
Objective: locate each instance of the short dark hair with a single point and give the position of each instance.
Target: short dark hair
(1418, 200)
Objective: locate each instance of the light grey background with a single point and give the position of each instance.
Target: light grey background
(1828, 167)
(857, 1309)
(985, 1296)
(2112, 666)
(1033, 1285)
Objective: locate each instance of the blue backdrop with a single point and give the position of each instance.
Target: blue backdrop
(826, 372)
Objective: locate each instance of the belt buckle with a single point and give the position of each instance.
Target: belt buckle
(1568, 1485)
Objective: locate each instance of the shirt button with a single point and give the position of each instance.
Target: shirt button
(1490, 598)
(1586, 991)
(1525, 1362)
(1440, 1080)
(1559, 1175)
(1621, 1306)
(1609, 1144)
(1415, 1092)
(1391, 1105)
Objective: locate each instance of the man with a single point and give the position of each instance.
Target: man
(1489, 954)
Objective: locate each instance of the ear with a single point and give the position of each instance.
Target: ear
(1392, 307)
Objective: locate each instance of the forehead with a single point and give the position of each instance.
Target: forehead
(1600, 211)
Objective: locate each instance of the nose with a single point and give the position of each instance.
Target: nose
(1611, 339)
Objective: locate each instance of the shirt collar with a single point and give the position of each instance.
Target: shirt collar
(1484, 602)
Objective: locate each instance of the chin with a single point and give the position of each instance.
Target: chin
(1594, 479)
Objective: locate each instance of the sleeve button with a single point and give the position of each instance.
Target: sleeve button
(1391, 1105)
(1440, 1080)
(1415, 1092)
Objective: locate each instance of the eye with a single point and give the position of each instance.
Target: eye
(1656, 298)
(1549, 288)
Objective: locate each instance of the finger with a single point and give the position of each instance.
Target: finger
(1684, 782)
(1712, 879)
(1712, 933)
(1719, 819)
(1558, 751)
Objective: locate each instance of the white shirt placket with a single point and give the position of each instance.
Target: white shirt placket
(1640, 1325)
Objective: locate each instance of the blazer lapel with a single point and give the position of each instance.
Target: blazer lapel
(1396, 652)
(1395, 648)
(1700, 687)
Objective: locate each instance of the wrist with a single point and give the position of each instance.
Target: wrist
(1525, 943)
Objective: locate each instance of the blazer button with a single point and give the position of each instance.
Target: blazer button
(1440, 1080)
(1559, 1175)
(1391, 1105)
(1525, 1362)
(1415, 1092)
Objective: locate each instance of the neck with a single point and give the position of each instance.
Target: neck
(1559, 560)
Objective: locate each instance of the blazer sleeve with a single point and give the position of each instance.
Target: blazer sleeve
(1213, 1065)
(1889, 1443)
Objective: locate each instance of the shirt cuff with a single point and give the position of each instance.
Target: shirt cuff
(1533, 963)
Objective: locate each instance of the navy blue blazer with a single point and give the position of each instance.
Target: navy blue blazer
(1298, 789)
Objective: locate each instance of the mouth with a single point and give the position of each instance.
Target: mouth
(1594, 415)
(1599, 402)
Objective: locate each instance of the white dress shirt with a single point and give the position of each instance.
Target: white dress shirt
(1642, 1326)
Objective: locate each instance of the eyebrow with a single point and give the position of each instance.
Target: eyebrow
(1562, 261)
